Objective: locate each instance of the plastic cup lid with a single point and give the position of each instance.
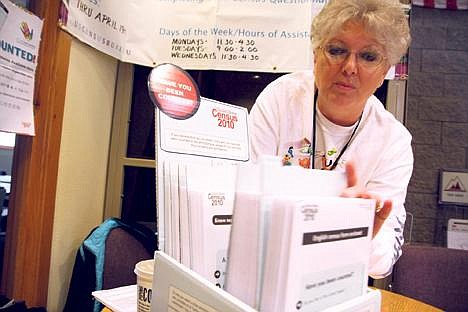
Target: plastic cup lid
(145, 267)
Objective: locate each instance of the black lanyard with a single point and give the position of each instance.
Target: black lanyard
(314, 127)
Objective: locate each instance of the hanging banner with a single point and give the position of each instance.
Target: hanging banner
(20, 35)
(243, 35)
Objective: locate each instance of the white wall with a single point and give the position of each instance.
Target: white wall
(83, 159)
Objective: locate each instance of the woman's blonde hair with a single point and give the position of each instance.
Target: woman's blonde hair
(386, 19)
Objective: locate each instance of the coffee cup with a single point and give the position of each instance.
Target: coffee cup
(144, 272)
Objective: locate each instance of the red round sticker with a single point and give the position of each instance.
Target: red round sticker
(173, 91)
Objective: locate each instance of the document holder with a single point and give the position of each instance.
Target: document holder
(177, 288)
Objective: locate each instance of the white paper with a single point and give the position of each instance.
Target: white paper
(266, 227)
(165, 215)
(207, 133)
(304, 232)
(175, 210)
(185, 237)
(457, 234)
(211, 191)
(197, 140)
(256, 184)
(247, 240)
(121, 299)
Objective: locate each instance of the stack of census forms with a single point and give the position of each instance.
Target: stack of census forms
(196, 184)
(297, 245)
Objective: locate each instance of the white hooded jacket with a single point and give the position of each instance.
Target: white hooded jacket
(381, 150)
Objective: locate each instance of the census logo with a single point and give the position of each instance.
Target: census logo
(226, 118)
(309, 211)
(217, 199)
(27, 33)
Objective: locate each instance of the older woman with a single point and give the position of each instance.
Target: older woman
(332, 111)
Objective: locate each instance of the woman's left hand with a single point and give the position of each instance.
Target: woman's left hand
(356, 190)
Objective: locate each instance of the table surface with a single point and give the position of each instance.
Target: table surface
(395, 302)
(392, 302)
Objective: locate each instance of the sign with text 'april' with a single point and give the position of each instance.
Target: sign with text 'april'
(243, 35)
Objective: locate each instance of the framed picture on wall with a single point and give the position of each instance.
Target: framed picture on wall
(453, 187)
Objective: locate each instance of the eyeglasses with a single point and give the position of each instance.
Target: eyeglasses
(369, 57)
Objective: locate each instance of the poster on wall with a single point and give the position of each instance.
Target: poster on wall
(242, 35)
(20, 34)
(453, 187)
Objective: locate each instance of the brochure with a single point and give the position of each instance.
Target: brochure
(285, 267)
(256, 184)
(206, 138)
(305, 231)
(211, 191)
(196, 179)
(179, 289)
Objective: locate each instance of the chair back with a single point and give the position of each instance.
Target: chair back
(435, 275)
(106, 259)
(123, 251)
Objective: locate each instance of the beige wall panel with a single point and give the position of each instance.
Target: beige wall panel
(83, 161)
